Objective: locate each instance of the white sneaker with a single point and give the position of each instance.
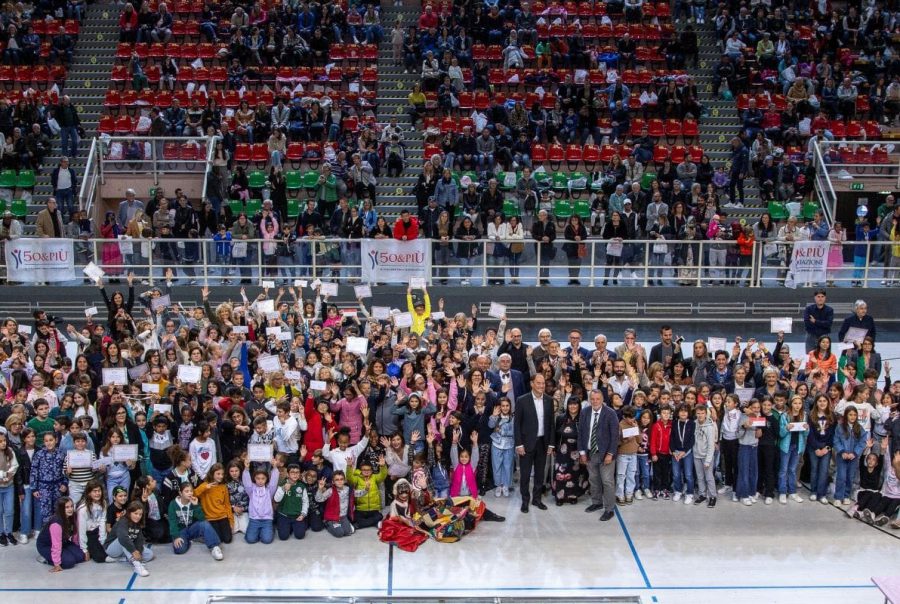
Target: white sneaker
(498, 492)
(846, 501)
(724, 489)
(812, 497)
(782, 499)
(824, 500)
(648, 493)
(638, 495)
(139, 568)
(747, 501)
(23, 538)
(216, 553)
(797, 498)
(734, 497)
(677, 496)
(506, 491)
(688, 499)
(768, 501)
(755, 498)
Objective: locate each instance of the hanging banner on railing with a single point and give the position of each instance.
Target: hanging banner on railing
(40, 260)
(392, 261)
(809, 263)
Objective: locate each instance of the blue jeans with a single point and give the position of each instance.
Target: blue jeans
(787, 473)
(818, 473)
(7, 506)
(642, 479)
(748, 470)
(260, 530)
(626, 474)
(66, 200)
(68, 137)
(29, 513)
(843, 479)
(465, 267)
(195, 531)
(115, 550)
(502, 463)
(683, 474)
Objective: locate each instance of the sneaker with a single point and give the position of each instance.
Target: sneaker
(896, 524)
(629, 500)
(506, 491)
(700, 500)
(665, 495)
(824, 500)
(3, 540)
(12, 539)
(620, 500)
(812, 497)
(851, 512)
(734, 497)
(688, 499)
(796, 497)
(724, 489)
(677, 497)
(23, 538)
(139, 568)
(846, 501)
(41, 560)
(638, 495)
(782, 499)
(648, 494)
(498, 492)
(711, 503)
(655, 496)
(216, 553)
(881, 520)
(747, 501)
(768, 501)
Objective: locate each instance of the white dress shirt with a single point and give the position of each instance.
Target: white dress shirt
(539, 410)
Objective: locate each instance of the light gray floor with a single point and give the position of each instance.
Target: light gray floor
(663, 551)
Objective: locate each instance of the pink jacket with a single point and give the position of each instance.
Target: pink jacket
(463, 470)
(351, 416)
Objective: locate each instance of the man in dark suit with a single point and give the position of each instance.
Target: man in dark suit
(507, 381)
(533, 433)
(666, 352)
(598, 441)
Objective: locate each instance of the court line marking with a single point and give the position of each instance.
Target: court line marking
(634, 551)
(438, 590)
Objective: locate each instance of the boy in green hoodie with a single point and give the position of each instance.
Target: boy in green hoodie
(292, 498)
(364, 482)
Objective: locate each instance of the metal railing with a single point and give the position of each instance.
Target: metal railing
(157, 156)
(824, 187)
(91, 179)
(484, 263)
(863, 164)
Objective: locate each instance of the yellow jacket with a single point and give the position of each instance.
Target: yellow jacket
(418, 326)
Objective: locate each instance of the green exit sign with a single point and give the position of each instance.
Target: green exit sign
(857, 186)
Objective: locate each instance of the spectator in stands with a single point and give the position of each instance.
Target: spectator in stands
(406, 228)
(69, 122)
(49, 222)
(739, 166)
(467, 248)
(128, 24)
(162, 28)
(61, 47)
(847, 94)
(175, 117)
(64, 183)
(10, 229)
(446, 193)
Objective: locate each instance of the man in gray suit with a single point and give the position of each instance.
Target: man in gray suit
(598, 441)
(533, 433)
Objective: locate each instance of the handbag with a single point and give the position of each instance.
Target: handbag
(239, 250)
(582, 250)
(516, 248)
(660, 248)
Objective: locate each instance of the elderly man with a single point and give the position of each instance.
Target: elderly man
(128, 207)
(860, 319)
(598, 441)
(517, 350)
(506, 380)
(49, 222)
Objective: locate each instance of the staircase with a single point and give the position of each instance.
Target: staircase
(86, 84)
(393, 88)
(723, 121)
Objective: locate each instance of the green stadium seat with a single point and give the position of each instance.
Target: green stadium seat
(582, 210)
(562, 209)
(511, 208)
(236, 205)
(293, 208)
(778, 210)
(254, 207)
(25, 179)
(809, 209)
(8, 179)
(19, 208)
(256, 179)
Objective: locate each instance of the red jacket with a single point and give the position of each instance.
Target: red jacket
(129, 23)
(659, 438)
(411, 231)
(332, 511)
(313, 438)
(745, 244)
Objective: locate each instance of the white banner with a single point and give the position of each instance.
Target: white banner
(392, 261)
(40, 260)
(809, 263)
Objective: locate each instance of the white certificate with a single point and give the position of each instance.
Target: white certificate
(744, 394)
(855, 335)
(362, 291)
(124, 452)
(268, 362)
(264, 307)
(785, 324)
(189, 374)
(267, 285)
(403, 319)
(437, 315)
(717, 344)
(116, 376)
(358, 346)
(160, 302)
(838, 347)
(348, 312)
(329, 289)
(76, 459)
(273, 330)
(315, 284)
(293, 376)
(272, 316)
(798, 426)
(497, 310)
(162, 408)
(150, 388)
(138, 371)
(259, 452)
(93, 272)
(285, 336)
(25, 330)
(758, 422)
(301, 283)
(417, 282)
(240, 329)
(629, 432)
(318, 385)
(91, 311)
(381, 313)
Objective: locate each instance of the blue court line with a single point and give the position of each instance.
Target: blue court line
(131, 582)
(122, 601)
(634, 552)
(390, 582)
